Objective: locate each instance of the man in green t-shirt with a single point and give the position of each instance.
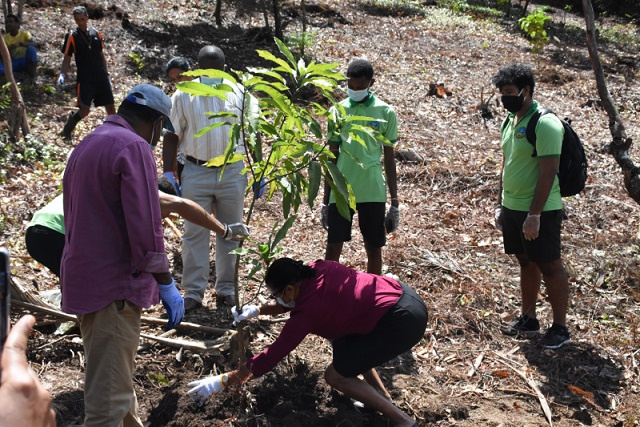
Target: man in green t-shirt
(362, 167)
(530, 212)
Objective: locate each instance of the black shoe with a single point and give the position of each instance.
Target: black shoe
(523, 325)
(65, 134)
(190, 305)
(555, 337)
(226, 301)
(69, 126)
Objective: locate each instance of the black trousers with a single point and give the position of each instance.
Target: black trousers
(45, 246)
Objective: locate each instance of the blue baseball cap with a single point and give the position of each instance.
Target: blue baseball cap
(151, 96)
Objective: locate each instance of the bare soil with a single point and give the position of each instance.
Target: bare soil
(464, 372)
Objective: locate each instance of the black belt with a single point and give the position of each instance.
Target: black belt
(196, 161)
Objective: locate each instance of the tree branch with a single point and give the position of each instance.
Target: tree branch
(620, 145)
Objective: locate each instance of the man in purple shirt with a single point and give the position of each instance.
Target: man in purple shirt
(114, 262)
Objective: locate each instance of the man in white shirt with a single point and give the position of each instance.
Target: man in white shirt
(204, 184)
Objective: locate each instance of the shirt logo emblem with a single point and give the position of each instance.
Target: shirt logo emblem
(374, 124)
(521, 133)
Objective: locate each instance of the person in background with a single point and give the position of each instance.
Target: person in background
(203, 181)
(25, 401)
(369, 320)
(175, 67)
(44, 237)
(114, 262)
(530, 205)
(21, 47)
(93, 84)
(369, 168)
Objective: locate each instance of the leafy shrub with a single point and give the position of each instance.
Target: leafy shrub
(393, 7)
(461, 6)
(30, 150)
(533, 26)
(626, 35)
(300, 41)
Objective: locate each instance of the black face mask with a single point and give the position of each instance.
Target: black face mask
(513, 103)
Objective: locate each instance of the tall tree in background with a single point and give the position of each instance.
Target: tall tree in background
(18, 120)
(7, 8)
(620, 144)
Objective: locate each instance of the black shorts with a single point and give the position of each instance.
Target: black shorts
(99, 93)
(371, 220)
(45, 246)
(401, 327)
(545, 248)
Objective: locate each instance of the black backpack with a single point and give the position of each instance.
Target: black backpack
(572, 172)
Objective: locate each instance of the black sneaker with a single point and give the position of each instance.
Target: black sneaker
(555, 337)
(523, 325)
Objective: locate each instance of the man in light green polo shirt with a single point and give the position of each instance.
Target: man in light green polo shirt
(530, 212)
(369, 168)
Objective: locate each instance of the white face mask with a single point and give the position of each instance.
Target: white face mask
(210, 80)
(151, 142)
(357, 95)
(289, 304)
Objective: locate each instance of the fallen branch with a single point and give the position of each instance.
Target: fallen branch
(476, 365)
(173, 227)
(209, 346)
(543, 401)
(147, 320)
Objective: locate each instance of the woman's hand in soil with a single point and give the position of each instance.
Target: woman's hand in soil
(202, 389)
(25, 401)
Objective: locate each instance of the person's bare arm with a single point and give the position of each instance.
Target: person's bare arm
(391, 174)
(104, 62)
(169, 151)
(335, 149)
(272, 309)
(66, 62)
(548, 171)
(190, 211)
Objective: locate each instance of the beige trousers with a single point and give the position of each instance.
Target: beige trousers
(110, 337)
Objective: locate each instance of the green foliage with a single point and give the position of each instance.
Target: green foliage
(463, 7)
(137, 61)
(30, 150)
(285, 143)
(533, 26)
(623, 34)
(159, 379)
(393, 7)
(5, 97)
(266, 252)
(300, 41)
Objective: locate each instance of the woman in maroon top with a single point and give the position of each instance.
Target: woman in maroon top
(369, 320)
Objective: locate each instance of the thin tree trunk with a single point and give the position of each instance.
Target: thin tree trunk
(6, 7)
(304, 28)
(277, 20)
(19, 112)
(619, 148)
(524, 10)
(265, 14)
(218, 13)
(20, 8)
